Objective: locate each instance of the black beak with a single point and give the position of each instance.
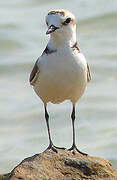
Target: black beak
(51, 29)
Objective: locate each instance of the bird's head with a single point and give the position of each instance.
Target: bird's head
(61, 25)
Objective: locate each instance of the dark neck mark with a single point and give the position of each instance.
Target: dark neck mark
(75, 47)
(48, 51)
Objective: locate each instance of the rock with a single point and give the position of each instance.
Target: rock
(63, 165)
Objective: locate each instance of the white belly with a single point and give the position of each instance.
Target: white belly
(61, 79)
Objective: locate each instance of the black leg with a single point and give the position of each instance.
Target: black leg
(47, 122)
(74, 144)
(51, 146)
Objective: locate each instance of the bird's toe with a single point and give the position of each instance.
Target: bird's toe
(75, 150)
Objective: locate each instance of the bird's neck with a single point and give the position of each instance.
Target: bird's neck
(62, 40)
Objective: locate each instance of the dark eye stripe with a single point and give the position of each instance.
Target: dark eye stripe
(67, 21)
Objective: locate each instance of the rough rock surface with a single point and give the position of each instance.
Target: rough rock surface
(63, 165)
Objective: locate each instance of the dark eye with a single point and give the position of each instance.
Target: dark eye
(67, 21)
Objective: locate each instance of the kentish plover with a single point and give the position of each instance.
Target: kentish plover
(61, 72)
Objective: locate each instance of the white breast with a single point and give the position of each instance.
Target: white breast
(63, 75)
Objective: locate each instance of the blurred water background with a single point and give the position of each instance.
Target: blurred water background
(22, 39)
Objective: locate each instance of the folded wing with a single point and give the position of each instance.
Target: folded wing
(88, 73)
(34, 74)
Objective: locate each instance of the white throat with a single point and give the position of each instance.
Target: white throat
(62, 38)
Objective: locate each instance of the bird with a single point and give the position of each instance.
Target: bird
(61, 72)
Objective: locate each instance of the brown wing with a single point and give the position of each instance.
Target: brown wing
(88, 73)
(34, 74)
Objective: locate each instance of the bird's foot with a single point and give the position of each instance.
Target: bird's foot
(59, 147)
(54, 148)
(74, 149)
